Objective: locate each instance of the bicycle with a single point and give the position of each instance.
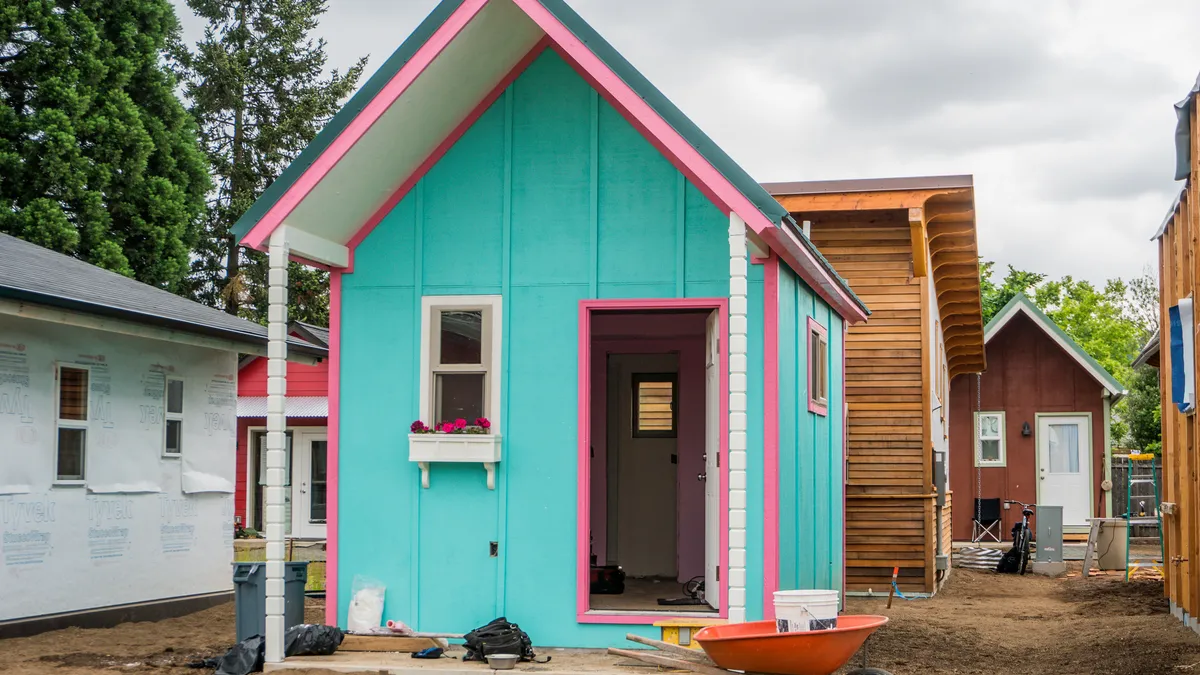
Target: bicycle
(1022, 536)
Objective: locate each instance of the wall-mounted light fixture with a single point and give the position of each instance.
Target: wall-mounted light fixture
(1025, 430)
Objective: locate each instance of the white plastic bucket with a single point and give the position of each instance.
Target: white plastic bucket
(797, 611)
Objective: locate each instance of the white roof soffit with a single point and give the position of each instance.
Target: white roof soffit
(416, 123)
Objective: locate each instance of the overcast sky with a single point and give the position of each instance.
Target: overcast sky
(1062, 109)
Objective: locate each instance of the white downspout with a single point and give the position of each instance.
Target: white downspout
(736, 602)
(276, 440)
(1108, 494)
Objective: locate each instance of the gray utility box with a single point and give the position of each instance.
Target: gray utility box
(1049, 534)
(250, 596)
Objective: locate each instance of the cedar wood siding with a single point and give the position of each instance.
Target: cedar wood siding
(1028, 373)
(889, 510)
(1178, 276)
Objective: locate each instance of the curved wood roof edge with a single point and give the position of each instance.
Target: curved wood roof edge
(946, 207)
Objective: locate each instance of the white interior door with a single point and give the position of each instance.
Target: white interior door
(309, 471)
(1065, 467)
(712, 462)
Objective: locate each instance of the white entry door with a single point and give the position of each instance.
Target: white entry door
(309, 470)
(1065, 467)
(712, 463)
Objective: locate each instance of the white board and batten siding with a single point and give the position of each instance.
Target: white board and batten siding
(142, 525)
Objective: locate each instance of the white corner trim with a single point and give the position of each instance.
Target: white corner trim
(736, 600)
(274, 499)
(312, 247)
(495, 306)
(1019, 308)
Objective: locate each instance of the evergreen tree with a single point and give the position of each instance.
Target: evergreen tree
(257, 88)
(98, 158)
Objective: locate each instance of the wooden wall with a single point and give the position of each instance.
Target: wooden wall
(890, 509)
(1178, 276)
(1028, 373)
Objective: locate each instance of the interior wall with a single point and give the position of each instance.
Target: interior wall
(654, 333)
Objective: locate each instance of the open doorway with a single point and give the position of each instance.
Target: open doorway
(654, 475)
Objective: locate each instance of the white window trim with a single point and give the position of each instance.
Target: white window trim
(1003, 461)
(85, 424)
(167, 415)
(493, 327)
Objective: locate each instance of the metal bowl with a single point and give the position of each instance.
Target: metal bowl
(502, 661)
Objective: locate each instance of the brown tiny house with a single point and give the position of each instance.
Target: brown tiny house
(1034, 426)
(907, 247)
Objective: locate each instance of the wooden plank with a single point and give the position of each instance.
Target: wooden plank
(385, 643)
(654, 659)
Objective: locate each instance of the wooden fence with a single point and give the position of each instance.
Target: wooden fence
(1142, 492)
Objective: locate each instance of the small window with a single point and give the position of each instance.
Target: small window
(654, 397)
(174, 418)
(73, 406)
(459, 345)
(818, 368)
(989, 439)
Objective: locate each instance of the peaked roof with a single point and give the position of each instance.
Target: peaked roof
(1149, 352)
(1020, 304)
(461, 54)
(30, 273)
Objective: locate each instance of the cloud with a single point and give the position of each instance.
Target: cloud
(1060, 108)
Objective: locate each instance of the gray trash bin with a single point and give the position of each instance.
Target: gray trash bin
(250, 596)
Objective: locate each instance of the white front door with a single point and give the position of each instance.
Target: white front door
(712, 462)
(309, 470)
(1065, 466)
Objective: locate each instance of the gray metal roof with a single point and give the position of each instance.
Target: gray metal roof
(318, 335)
(30, 273)
(812, 187)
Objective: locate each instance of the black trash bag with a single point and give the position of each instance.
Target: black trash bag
(498, 637)
(308, 639)
(243, 658)
(304, 639)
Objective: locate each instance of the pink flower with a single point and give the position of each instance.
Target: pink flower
(418, 427)
(483, 423)
(460, 423)
(447, 427)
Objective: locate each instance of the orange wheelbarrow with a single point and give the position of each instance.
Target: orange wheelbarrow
(756, 648)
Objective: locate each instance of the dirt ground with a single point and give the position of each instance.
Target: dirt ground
(980, 624)
(983, 623)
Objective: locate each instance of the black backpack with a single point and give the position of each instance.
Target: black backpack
(499, 636)
(1010, 562)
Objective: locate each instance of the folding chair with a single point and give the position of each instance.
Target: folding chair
(985, 520)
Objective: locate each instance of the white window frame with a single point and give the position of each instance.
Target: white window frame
(1003, 460)
(490, 351)
(84, 424)
(169, 416)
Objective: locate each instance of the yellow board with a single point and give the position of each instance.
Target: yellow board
(680, 631)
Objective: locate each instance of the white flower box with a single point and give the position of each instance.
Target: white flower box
(483, 448)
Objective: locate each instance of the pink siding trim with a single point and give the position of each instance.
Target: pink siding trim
(845, 460)
(444, 35)
(331, 508)
(814, 327)
(770, 434)
(444, 147)
(583, 460)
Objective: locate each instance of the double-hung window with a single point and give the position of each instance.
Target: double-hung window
(989, 439)
(460, 356)
(73, 403)
(818, 368)
(173, 409)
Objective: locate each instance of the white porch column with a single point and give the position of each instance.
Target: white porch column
(736, 601)
(276, 440)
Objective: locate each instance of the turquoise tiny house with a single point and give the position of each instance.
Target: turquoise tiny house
(520, 227)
